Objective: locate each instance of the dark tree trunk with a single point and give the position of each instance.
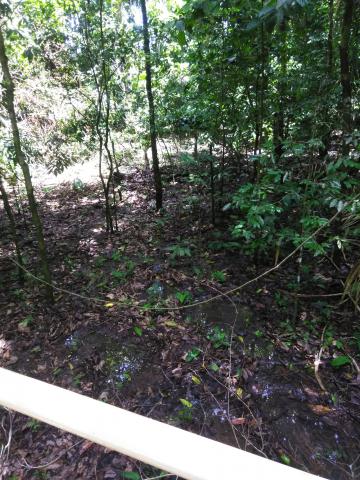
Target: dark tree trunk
(326, 136)
(345, 74)
(279, 118)
(330, 40)
(260, 103)
(14, 234)
(196, 153)
(152, 122)
(212, 185)
(8, 100)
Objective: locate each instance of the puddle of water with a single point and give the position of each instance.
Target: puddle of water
(319, 442)
(118, 359)
(315, 439)
(220, 413)
(223, 314)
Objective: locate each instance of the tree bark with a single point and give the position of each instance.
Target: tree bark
(345, 73)
(152, 121)
(14, 234)
(279, 119)
(330, 39)
(260, 97)
(8, 100)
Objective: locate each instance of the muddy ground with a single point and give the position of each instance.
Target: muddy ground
(238, 369)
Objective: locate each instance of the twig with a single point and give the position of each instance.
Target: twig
(317, 362)
(47, 465)
(6, 448)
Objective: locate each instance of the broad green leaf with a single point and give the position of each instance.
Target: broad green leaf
(130, 476)
(285, 459)
(340, 361)
(196, 380)
(186, 403)
(138, 331)
(214, 367)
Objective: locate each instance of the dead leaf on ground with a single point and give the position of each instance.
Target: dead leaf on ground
(320, 409)
(85, 446)
(238, 421)
(252, 422)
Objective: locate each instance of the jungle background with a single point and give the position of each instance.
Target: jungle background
(180, 224)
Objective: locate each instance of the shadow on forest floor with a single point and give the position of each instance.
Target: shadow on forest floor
(171, 365)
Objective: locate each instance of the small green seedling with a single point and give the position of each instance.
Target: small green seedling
(192, 354)
(218, 337)
(33, 424)
(183, 297)
(219, 276)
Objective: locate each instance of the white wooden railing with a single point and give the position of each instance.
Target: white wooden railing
(169, 448)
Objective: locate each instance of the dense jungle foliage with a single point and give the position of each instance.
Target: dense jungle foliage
(223, 141)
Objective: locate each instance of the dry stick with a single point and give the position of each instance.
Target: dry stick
(317, 362)
(47, 465)
(6, 448)
(160, 476)
(246, 438)
(202, 302)
(311, 295)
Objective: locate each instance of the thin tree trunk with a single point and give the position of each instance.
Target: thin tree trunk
(146, 159)
(196, 153)
(330, 39)
(14, 234)
(152, 122)
(212, 185)
(8, 100)
(326, 136)
(279, 120)
(345, 74)
(260, 103)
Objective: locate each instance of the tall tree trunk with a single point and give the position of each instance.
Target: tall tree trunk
(8, 100)
(260, 97)
(279, 119)
(14, 234)
(212, 185)
(330, 39)
(345, 74)
(152, 122)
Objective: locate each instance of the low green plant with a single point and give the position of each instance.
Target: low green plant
(340, 361)
(218, 276)
(127, 271)
(186, 413)
(183, 297)
(78, 185)
(20, 294)
(118, 254)
(99, 261)
(27, 322)
(281, 300)
(138, 331)
(179, 250)
(130, 476)
(33, 424)
(218, 337)
(192, 354)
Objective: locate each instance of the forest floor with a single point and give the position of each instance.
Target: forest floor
(175, 365)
